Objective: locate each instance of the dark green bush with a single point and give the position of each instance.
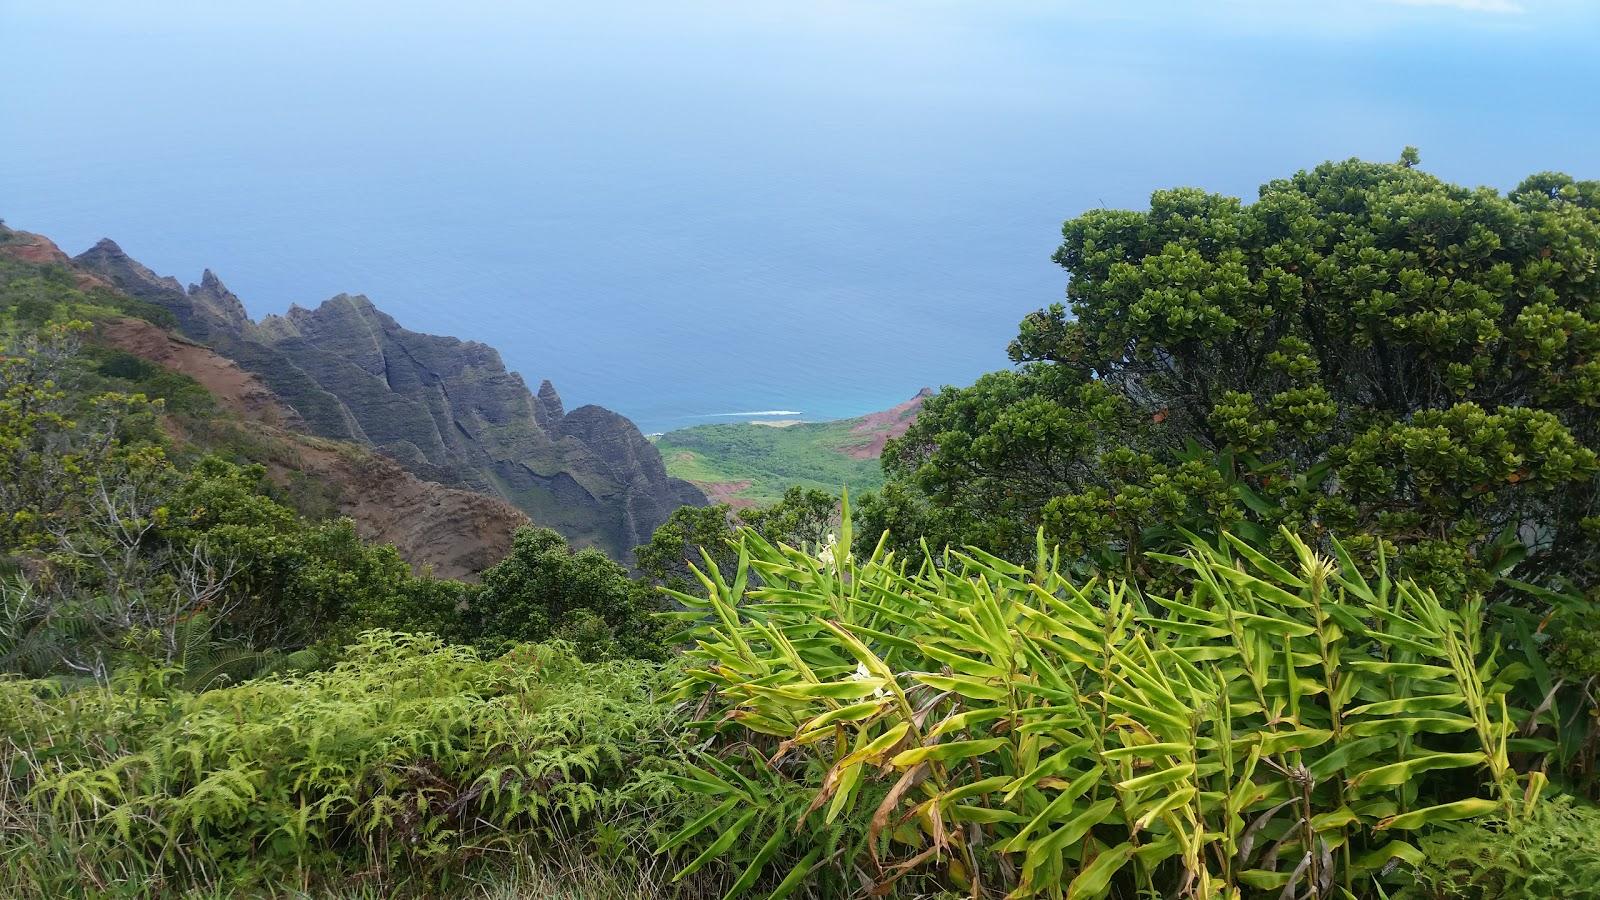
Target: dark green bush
(544, 590)
(1364, 349)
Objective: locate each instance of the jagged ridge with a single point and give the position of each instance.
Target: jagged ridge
(446, 409)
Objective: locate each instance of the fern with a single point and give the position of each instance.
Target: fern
(407, 756)
(1552, 854)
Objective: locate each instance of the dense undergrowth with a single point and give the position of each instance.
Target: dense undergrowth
(398, 767)
(1153, 672)
(846, 727)
(1296, 728)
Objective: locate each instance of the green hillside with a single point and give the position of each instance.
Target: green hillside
(751, 463)
(770, 458)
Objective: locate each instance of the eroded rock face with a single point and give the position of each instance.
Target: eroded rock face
(447, 410)
(454, 533)
(450, 407)
(211, 314)
(643, 490)
(219, 304)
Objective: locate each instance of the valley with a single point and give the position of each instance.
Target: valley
(747, 464)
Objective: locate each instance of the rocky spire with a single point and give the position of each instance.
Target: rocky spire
(550, 400)
(215, 298)
(107, 259)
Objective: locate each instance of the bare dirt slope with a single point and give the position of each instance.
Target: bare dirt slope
(239, 391)
(457, 533)
(881, 427)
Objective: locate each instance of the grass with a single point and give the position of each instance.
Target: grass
(772, 459)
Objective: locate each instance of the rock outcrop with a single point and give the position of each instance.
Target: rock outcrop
(454, 533)
(211, 314)
(447, 410)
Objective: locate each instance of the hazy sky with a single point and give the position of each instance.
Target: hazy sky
(679, 208)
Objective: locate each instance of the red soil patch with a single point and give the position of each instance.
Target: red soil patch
(881, 426)
(235, 388)
(38, 250)
(726, 492)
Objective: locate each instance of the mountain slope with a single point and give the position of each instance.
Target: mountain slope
(752, 463)
(453, 532)
(445, 409)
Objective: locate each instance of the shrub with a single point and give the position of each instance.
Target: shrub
(1363, 349)
(406, 760)
(1551, 854)
(545, 590)
(991, 727)
(802, 517)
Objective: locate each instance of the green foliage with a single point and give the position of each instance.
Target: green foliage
(34, 295)
(772, 459)
(403, 762)
(293, 582)
(180, 395)
(1551, 854)
(982, 466)
(676, 545)
(802, 517)
(1576, 654)
(1364, 350)
(991, 727)
(544, 590)
(122, 548)
(1560, 646)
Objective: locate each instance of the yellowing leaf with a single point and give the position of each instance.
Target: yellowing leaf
(1444, 812)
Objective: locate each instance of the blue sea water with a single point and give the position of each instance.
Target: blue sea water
(687, 209)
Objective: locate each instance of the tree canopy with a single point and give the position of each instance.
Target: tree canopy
(1365, 349)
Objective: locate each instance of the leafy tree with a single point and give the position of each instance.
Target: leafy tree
(43, 454)
(82, 498)
(121, 555)
(1364, 349)
(677, 543)
(802, 517)
(296, 582)
(544, 590)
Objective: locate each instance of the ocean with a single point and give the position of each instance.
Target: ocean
(702, 211)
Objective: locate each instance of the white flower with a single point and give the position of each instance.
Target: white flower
(861, 674)
(825, 556)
